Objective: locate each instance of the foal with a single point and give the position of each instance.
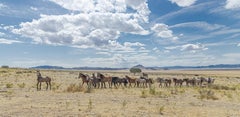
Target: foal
(41, 79)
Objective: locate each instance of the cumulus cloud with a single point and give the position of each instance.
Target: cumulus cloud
(7, 41)
(188, 47)
(97, 23)
(232, 4)
(162, 31)
(193, 47)
(183, 3)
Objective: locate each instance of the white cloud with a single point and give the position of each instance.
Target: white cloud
(7, 41)
(98, 24)
(188, 47)
(34, 8)
(193, 47)
(162, 31)
(129, 44)
(232, 55)
(200, 25)
(238, 45)
(2, 6)
(232, 4)
(2, 34)
(183, 3)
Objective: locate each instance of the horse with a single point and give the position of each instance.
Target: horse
(124, 81)
(145, 75)
(85, 78)
(178, 82)
(115, 81)
(41, 79)
(166, 82)
(210, 81)
(95, 81)
(141, 82)
(104, 79)
(131, 80)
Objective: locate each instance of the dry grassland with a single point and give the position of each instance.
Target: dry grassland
(19, 97)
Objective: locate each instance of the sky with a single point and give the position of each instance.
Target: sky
(119, 33)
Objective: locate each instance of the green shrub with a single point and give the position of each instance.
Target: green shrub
(207, 94)
(143, 94)
(152, 91)
(9, 85)
(21, 85)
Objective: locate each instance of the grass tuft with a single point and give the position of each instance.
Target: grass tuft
(75, 88)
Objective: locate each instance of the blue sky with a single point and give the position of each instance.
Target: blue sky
(119, 33)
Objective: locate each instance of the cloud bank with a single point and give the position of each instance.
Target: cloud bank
(97, 23)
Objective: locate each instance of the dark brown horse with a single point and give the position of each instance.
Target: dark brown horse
(131, 80)
(85, 78)
(104, 79)
(41, 79)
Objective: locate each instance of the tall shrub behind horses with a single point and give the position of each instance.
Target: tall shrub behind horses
(41, 79)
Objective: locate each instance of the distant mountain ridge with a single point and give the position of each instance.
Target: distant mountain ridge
(218, 66)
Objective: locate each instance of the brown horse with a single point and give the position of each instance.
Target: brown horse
(104, 79)
(130, 81)
(41, 79)
(85, 78)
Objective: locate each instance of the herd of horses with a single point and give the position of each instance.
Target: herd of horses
(98, 80)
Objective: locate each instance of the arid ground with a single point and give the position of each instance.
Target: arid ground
(19, 95)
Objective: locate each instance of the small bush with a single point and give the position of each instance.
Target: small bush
(9, 85)
(21, 85)
(90, 106)
(152, 91)
(221, 87)
(89, 90)
(75, 88)
(143, 94)
(160, 110)
(207, 94)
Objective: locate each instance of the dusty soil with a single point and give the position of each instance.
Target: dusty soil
(19, 97)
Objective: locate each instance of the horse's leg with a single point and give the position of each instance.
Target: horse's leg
(47, 85)
(50, 84)
(104, 84)
(40, 85)
(37, 86)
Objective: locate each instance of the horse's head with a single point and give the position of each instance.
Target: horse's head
(81, 75)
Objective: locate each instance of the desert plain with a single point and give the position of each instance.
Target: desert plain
(69, 98)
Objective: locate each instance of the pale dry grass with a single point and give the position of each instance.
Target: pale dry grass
(22, 98)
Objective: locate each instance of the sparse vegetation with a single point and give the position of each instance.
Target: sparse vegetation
(75, 88)
(161, 109)
(67, 93)
(90, 104)
(9, 85)
(152, 91)
(22, 85)
(207, 94)
(143, 94)
(124, 104)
